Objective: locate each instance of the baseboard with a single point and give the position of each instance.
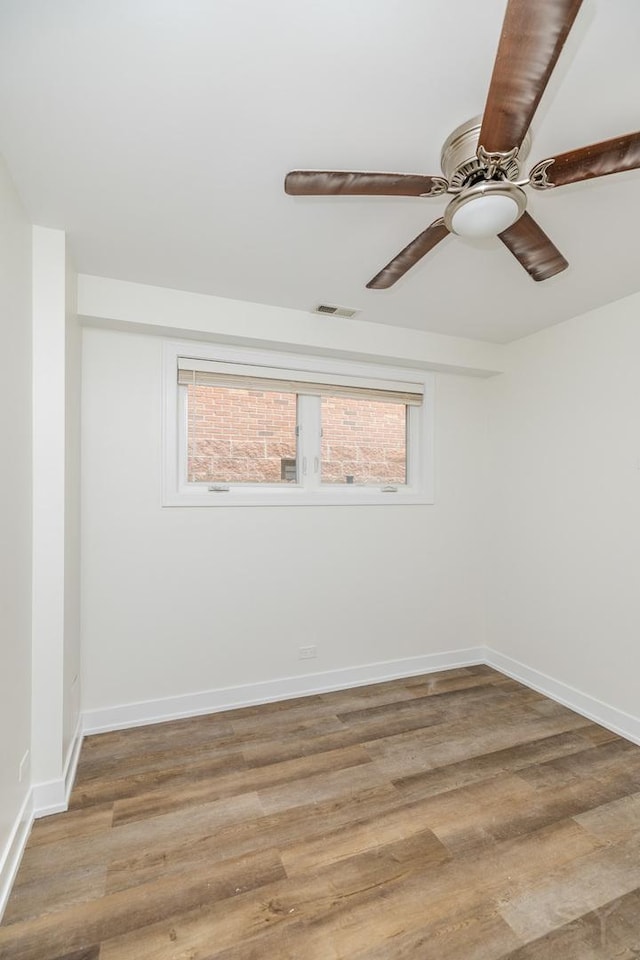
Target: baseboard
(14, 848)
(286, 688)
(52, 796)
(41, 800)
(72, 758)
(624, 724)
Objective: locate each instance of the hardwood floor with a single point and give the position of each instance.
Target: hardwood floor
(458, 816)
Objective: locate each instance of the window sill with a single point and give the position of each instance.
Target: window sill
(293, 496)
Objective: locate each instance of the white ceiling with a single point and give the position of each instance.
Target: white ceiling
(158, 133)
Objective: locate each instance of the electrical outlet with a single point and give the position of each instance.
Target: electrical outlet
(23, 766)
(307, 653)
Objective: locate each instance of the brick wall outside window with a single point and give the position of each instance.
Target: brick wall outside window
(245, 435)
(363, 439)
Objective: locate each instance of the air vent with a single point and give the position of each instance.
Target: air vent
(328, 308)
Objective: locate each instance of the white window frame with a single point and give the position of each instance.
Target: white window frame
(309, 491)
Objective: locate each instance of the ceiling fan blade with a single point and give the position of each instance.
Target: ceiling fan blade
(408, 257)
(533, 34)
(596, 160)
(313, 183)
(532, 248)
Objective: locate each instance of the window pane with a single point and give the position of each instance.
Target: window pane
(363, 441)
(240, 436)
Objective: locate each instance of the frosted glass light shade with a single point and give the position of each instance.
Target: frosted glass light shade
(485, 216)
(485, 210)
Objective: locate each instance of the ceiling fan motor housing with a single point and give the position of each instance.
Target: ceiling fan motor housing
(459, 157)
(487, 199)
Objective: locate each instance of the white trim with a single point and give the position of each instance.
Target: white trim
(624, 724)
(73, 756)
(52, 796)
(41, 799)
(286, 688)
(176, 492)
(48, 798)
(14, 848)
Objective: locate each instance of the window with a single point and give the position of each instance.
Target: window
(239, 435)
(363, 441)
(254, 428)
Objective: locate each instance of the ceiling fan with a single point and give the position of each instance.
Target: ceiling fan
(481, 159)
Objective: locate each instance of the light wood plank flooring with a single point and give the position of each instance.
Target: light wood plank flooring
(457, 816)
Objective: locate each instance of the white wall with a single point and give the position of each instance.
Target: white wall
(48, 501)
(73, 380)
(15, 518)
(565, 436)
(180, 600)
(56, 568)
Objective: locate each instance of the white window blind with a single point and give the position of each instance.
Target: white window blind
(250, 377)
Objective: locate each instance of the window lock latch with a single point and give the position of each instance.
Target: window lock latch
(218, 488)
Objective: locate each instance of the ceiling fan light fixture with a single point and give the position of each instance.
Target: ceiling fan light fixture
(485, 209)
